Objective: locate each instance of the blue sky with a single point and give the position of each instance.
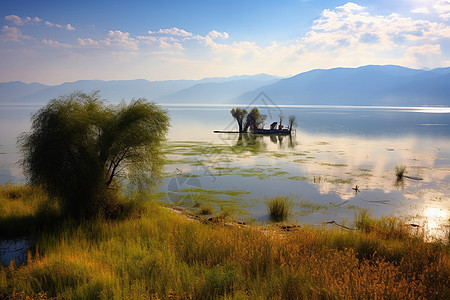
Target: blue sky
(58, 41)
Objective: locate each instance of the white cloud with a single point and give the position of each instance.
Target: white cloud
(218, 35)
(426, 49)
(350, 7)
(171, 31)
(349, 35)
(56, 44)
(421, 10)
(352, 35)
(442, 6)
(12, 34)
(121, 40)
(50, 24)
(18, 21)
(15, 20)
(88, 43)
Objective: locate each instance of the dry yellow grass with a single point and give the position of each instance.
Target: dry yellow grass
(155, 253)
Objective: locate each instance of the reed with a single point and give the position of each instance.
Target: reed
(157, 254)
(400, 170)
(280, 208)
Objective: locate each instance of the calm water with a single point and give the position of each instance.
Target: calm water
(334, 150)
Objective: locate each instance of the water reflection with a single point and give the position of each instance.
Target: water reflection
(333, 150)
(14, 250)
(283, 140)
(247, 142)
(256, 143)
(325, 168)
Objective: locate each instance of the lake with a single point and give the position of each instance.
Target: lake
(333, 150)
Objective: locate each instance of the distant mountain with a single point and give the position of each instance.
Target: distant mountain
(219, 92)
(17, 89)
(368, 85)
(205, 90)
(114, 91)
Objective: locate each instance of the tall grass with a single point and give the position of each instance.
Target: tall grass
(25, 209)
(280, 208)
(400, 170)
(159, 254)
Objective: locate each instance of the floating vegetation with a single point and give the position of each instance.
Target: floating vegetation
(214, 192)
(298, 178)
(300, 160)
(279, 173)
(339, 180)
(319, 179)
(280, 155)
(252, 170)
(333, 165)
(365, 175)
(299, 154)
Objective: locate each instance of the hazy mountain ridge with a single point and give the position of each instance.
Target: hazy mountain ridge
(216, 92)
(116, 90)
(367, 85)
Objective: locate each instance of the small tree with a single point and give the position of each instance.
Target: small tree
(292, 122)
(254, 120)
(239, 114)
(78, 148)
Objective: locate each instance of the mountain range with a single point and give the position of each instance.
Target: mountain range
(367, 85)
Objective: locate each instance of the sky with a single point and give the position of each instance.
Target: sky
(52, 42)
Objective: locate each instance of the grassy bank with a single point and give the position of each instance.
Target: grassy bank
(155, 253)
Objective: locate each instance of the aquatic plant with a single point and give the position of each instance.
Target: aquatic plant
(280, 208)
(400, 170)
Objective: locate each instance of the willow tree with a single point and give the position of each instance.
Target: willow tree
(292, 122)
(81, 150)
(254, 120)
(239, 114)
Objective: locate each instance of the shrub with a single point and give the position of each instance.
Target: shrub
(280, 208)
(207, 210)
(79, 147)
(400, 170)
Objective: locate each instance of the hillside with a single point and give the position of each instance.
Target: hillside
(368, 85)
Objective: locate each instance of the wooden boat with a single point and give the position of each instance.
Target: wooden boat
(259, 131)
(272, 131)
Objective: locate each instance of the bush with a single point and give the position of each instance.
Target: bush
(280, 208)
(79, 147)
(207, 210)
(400, 170)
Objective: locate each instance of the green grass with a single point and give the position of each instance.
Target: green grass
(154, 253)
(24, 209)
(280, 208)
